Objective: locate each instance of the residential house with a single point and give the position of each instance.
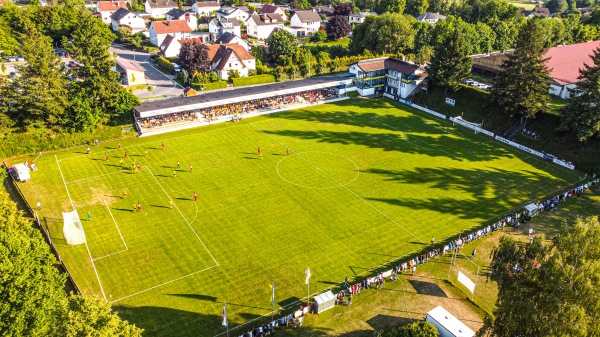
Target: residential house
(297, 31)
(328, 11)
(228, 38)
(358, 18)
(170, 47)
(159, 8)
(130, 72)
(537, 11)
(217, 27)
(430, 18)
(177, 14)
(179, 29)
(272, 9)
(387, 75)
(189, 92)
(564, 63)
(206, 8)
(226, 57)
(260, 26)
(309, 20)
(108, 8)
(229, 12)
(124, 18)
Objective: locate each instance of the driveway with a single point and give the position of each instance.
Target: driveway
(163, 84)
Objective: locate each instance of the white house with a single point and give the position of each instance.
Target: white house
(260, 26)
(205, 8)
(159, 8)
(217, 27)
(124, 18)
(309, 20)
(272, 9)
(358, 18)
(229, 38)
(226, 57)
(228, 12)
(387, 75)
(179, 29)
(430, 18)
(190, 18)
(108, 8)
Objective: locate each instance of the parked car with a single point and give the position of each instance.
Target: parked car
(176, 68)
(469, 81)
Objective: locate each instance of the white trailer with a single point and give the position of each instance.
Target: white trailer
(448, 325)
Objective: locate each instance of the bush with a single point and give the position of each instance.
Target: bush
(251, 80)
(209, 86)
(166, 64)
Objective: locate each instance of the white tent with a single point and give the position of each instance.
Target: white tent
(72, 228)
(324, 301)
(448, 325)
(531, 210)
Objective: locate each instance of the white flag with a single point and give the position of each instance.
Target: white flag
(224, 315)
(307, 275)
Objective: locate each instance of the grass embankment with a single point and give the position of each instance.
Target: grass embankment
(472, 104)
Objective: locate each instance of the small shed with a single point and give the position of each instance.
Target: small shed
(324, 301)
(130, 72)
(531, 210)
(448, 325)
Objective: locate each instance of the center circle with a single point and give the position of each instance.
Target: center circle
(317, 169)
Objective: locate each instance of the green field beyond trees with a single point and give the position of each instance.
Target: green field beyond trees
(366, 182)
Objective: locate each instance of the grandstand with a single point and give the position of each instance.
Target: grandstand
(233, 104)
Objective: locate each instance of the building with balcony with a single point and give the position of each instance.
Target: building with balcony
(387, 75)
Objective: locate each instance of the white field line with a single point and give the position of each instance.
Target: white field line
(164, 283)
(86, 245)
(186, 221)
(94, 177)
(118, 230)
(111, 254)
(312, 295)
(342, 185)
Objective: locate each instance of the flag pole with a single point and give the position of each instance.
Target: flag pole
(272, 300)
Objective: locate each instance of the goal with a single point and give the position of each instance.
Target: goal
(72, 228)
(469, 125)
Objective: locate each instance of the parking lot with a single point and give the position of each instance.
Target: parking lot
(479, 85)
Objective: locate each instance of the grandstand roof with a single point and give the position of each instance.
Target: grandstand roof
(235, 95)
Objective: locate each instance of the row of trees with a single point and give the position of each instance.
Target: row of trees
(33, 299)
(46, 93)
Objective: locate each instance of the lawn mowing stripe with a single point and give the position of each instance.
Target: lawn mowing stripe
(342, 185)
(187, 222)
(85, 240)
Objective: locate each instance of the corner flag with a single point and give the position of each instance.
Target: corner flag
(224, 315)
(307, 275)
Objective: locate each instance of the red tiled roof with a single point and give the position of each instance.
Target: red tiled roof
(372, 66)
(268, 9)
(388, 63)
(565, 61)
(126, 64)
(108, 6)
(173, 26)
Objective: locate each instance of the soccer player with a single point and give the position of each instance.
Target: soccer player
(39, 206)
(163, 145)
(174, 173)
(259, 151)
(121, 162)
(288, 151)
(106, 157)
(432, 240)
(89, 151)
(139, 167)
(124, 194)
(139, 207)
(119, 146)
(96, 142)
(146, 153)
(191, 168)
(195, 196)
(125, 154)
(171, 204)
(89, 216)
(178, 165)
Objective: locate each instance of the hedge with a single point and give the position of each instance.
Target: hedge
(251, 80)
(166, 64)
(210, 86)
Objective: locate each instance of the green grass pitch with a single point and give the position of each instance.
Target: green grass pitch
(366, 182)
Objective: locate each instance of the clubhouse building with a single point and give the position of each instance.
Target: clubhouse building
(387, 75)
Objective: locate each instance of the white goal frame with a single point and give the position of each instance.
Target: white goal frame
(469, 125)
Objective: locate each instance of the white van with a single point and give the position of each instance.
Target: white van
(20, 172)
(176, 68)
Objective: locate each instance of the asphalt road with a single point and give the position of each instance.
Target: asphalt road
(163, 84)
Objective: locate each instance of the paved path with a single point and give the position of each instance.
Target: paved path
(163, 84)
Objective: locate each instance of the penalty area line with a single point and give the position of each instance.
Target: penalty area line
(118, 230)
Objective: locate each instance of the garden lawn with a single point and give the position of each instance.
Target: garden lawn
(366, 182)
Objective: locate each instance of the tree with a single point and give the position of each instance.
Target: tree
(416, 7)
(556, 6)
(282, 45)
(450, 63)
(548, 290)
(390, 6)
(389, 33)
(521, 86)
(193, 57)
(582, 113)
(416, 329)
(303, 4)
(319, 36)
(40, 93)
(31, 285)
(338, 27)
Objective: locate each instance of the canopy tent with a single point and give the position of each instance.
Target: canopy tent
(531, 210)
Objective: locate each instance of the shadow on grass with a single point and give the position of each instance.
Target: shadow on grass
(427, 288)
(383, 322)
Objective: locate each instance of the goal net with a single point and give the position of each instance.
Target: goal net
(473, 126)
(72, 228)
(463, 273)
